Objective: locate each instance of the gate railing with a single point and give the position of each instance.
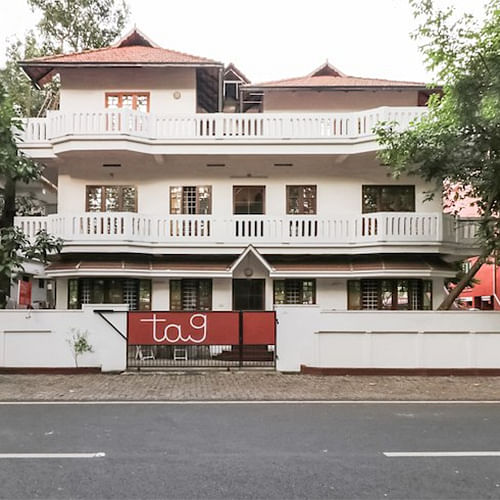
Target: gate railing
(201, 339)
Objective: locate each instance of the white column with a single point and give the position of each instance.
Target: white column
(160, 295)
(222, 294)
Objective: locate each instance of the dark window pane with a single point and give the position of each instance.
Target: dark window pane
(73, 299)
(194, 200)
(175, 295)
(301, 200)
(129, 199)
(388, 199)
(354, 295)
(295, 291)
(145, 295)
(386, 294)
(94, 198)
(111, 199)
(248, 199)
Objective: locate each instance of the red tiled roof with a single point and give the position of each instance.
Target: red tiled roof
(336, 81)
(328, 75)
(125, 54)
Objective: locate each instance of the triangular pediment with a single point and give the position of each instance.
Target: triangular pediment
(326, 69)
(135, 38)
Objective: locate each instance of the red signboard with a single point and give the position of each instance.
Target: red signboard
(259, 328)
(183, 328)
(201, 328)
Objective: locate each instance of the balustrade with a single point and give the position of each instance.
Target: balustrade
(381, 227)
(227, 126)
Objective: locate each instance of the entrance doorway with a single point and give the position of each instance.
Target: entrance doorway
(249, 294)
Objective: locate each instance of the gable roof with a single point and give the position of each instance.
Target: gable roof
(133, 50)
(328, 76)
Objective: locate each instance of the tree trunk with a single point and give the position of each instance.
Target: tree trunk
(459, 287)
(7, 220)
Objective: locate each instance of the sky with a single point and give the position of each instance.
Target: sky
(274, 39)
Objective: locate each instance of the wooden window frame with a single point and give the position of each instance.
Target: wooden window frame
(263, 187)
(208, 187)
(394, 282)
(301, 198)
(103, 199)
(134, 95)
(75, 285)
(302, 281)
(385, 186)
(181, 282)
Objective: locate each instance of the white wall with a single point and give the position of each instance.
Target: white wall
(308, 336)
(301, 101)
(338, 184)
(83, 90)
(39, 338)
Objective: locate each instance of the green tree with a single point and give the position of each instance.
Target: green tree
(458, 143)
(15, 167)
(75, 25)
(27, 99)
(65, 25)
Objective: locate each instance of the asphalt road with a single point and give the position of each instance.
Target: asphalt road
(248, 450)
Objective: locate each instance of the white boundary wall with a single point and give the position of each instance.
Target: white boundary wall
(308, 336)
(32, 338)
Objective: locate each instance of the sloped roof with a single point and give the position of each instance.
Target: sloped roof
(134, 49)
(328, 76)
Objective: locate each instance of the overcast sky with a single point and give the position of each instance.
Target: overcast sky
(273, 39)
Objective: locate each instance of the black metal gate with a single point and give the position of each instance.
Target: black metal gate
(250, 341)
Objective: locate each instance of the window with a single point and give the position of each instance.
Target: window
(134, 292)
(191, 295)
(249, 199)
(111, 199)
(301, 200)
(191, 200)
(389, 294)
(388, 199)
(294, 291)
(128, 100)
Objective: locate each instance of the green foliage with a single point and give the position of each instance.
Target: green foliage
(79, 344)
(75, 25)
(27, 100)
(458, 142)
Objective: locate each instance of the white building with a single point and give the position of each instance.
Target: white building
(168, 201)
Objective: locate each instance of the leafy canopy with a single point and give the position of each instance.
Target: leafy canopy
(458, 142)
(75, 25)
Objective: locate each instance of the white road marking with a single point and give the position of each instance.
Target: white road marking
(98, 454)
(242, 402)
(403, 454)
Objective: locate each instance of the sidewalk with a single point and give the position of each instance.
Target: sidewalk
(242, 386)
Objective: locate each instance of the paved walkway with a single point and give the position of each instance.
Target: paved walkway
(247, 386)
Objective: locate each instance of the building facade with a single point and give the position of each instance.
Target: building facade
(182, 186)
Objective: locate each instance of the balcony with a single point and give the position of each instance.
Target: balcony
(382, 232)
(62, 131)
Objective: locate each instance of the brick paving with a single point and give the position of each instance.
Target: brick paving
(242, 386)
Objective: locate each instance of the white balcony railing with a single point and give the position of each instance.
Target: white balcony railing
(226, 126)
(377, 228)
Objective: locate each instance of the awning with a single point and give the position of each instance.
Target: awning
(223, 266)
